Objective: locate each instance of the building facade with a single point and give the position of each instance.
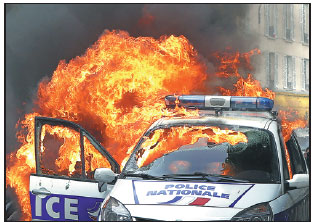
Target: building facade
(282, 32)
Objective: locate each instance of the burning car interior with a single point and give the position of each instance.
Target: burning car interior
(249, 159)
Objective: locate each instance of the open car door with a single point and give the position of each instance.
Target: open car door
(64, 187)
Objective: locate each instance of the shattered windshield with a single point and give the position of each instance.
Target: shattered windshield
(235, 152)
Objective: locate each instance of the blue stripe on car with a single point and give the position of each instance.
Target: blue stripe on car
(177, 198)
(234, 203)
(134, 193)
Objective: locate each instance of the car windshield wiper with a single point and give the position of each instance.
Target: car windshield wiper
(206, 176)
(143, 175)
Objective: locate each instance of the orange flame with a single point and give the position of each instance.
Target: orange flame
(22, 164)
(289, 122)
(168, 140)
(230, 62)
(248, 87)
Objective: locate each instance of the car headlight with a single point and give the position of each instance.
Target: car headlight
(259, 212)
(113, 210)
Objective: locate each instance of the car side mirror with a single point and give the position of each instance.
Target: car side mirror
(104, 175)
(299, 181)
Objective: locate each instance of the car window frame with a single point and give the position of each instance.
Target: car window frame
(293, 158)
(41, 121)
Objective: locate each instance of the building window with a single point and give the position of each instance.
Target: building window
(270, 20)
(289, 73)
(305, 74)
(272, 70)
(288, 22)
(259, 14)
(305, 23)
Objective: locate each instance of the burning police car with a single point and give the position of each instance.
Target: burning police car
(228, 163)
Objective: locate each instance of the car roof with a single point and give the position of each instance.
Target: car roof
(246, 119)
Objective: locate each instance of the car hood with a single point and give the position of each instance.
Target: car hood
(183, 193)
(180, 213)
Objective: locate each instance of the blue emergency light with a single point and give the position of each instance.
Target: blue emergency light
(220, 102)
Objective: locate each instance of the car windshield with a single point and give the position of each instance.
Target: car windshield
(240, 153)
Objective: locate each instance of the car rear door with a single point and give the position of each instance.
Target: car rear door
(63, 187)
(300, 209)
(293, 205)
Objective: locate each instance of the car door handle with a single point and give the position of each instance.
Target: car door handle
(41, 191)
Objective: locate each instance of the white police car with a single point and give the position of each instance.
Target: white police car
(171, 177)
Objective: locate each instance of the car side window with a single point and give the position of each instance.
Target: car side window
(65, 149)
(297, 161)
(60, 152)
(93, 159)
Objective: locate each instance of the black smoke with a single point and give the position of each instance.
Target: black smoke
(209, 27)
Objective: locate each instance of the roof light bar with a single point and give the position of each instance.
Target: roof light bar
(220, 102)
